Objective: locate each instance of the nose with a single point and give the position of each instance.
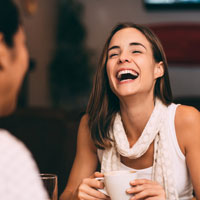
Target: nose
(124, 57)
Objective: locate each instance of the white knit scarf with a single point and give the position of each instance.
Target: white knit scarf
(155, 130)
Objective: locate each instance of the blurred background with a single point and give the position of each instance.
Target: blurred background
(85, 34)
(65, 39)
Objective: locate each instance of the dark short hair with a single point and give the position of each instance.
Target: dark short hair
(9, 20)
(103, 103)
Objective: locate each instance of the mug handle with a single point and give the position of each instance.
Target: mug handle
(104, 189)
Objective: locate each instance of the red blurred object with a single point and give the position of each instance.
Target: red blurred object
(181, 42)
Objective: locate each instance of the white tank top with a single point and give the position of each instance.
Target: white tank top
(181, 174)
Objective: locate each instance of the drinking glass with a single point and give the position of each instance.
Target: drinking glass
(51, 184)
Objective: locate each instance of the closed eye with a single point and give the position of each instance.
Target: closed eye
(136, 51)
(112, 55)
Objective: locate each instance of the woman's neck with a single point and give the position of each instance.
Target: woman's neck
(135, 114)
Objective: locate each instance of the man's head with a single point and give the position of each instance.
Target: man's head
(13, 56)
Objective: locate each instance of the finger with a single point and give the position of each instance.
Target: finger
(142, 181)
(149, 193)
(85, 196)
(140, 188)
(96, 174)
(85, 191)
(155, 198)
(93, 183)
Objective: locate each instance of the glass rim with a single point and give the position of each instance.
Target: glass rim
(48, 175)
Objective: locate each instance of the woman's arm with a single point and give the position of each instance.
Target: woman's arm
(187, 123)
(85, 162)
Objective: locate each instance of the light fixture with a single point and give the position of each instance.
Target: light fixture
(30, 6)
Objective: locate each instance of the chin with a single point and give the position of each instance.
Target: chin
(8, 109)
(125, 93)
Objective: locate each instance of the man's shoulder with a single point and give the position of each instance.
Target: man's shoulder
(10, 143)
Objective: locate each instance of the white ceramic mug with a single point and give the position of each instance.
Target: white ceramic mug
(116, 183)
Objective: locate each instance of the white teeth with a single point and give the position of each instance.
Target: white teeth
(127, 71)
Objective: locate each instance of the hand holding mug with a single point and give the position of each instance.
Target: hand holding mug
(88, 188)
(144, 189)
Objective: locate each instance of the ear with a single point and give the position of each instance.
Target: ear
(159, 70)
(1, 40)
(3, 53)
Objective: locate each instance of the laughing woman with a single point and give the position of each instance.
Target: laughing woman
(131, 123)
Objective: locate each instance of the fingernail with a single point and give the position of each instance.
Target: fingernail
(128, 190)
(132, 182)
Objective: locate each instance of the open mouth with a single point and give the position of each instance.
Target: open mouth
(125, 75)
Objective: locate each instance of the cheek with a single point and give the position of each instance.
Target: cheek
(21, 67)
(24, 60)
(148, 68)
(25, 56)
(148, 80)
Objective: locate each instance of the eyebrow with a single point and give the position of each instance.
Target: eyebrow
(137, 44)
(131, 44)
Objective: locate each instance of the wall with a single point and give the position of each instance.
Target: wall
(99, 17)
(40, 31)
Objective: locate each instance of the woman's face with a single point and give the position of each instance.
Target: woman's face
(131, 68)
(14, 64)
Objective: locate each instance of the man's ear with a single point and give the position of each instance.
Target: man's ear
(1, 40)
(3, 52)
(159, 70)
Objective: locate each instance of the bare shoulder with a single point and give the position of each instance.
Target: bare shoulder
(84, 119)
(187, 125)
(83, 126)
(187, 116)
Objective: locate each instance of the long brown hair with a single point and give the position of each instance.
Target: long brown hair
(103, 104)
